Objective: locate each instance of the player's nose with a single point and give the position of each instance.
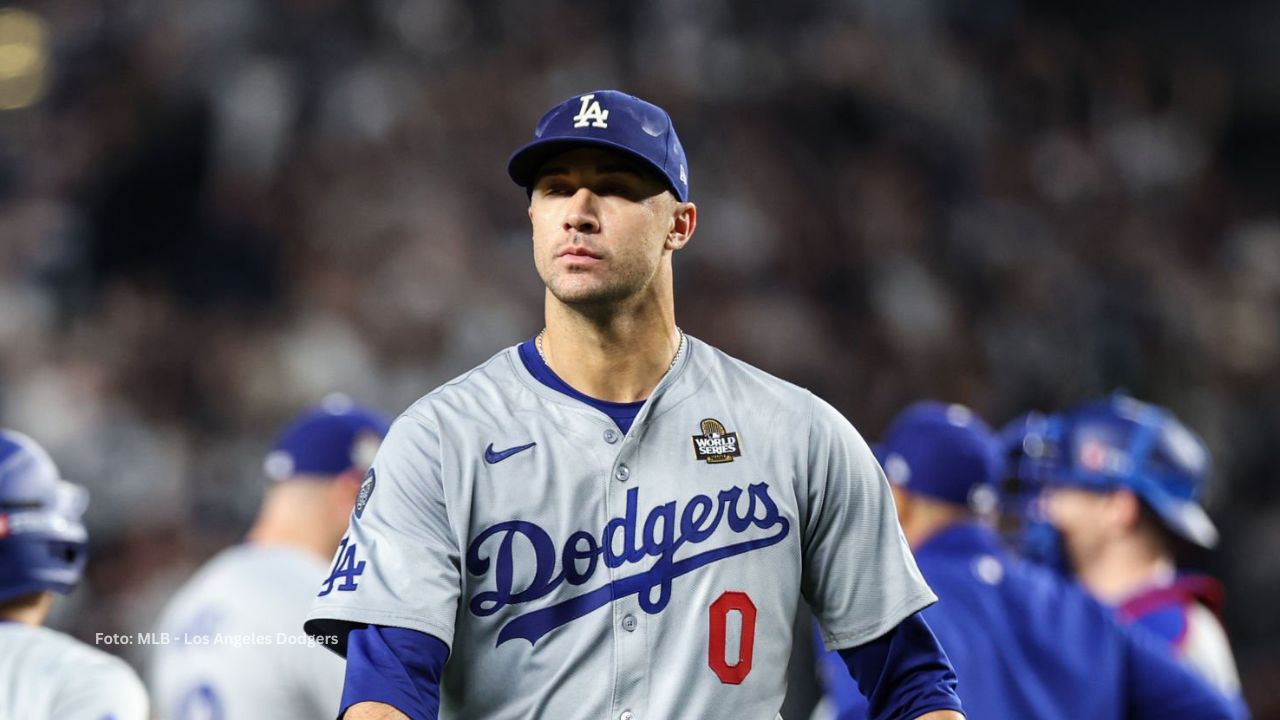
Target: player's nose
(581, 213)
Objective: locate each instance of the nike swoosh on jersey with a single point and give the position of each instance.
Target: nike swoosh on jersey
(492, 457)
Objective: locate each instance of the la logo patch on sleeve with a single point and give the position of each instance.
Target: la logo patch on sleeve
(715, 444)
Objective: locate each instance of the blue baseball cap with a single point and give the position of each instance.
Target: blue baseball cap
(945, 452)
(327, 440)
(608, 119)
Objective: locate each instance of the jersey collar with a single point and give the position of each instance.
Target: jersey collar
(680, 382)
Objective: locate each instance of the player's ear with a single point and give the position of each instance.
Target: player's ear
(1126, 508)
(684, 222)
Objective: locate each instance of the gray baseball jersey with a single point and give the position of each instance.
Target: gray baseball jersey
(46, 675)
(228, 644)
(579, 573)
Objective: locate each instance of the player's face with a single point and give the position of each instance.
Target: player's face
(1087, 520)
(603, 226)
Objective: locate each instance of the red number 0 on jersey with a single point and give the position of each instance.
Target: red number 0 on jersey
(717, 650)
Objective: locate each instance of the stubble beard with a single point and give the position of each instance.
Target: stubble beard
(593, 292)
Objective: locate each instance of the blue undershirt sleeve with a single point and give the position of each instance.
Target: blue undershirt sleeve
(903, 673)
(396, 666)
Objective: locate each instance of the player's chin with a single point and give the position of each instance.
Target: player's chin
(583, 290)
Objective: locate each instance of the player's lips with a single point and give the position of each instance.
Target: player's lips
(579, 252)
(579, 256)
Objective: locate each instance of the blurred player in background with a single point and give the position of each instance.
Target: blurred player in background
(1123, 478)
(1020, 494)
(45, 675)
(234, 650)
(1025, 642)
(613, 519)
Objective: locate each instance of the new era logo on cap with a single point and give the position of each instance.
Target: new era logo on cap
(609, 119)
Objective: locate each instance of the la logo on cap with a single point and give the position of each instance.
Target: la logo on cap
(590, 112)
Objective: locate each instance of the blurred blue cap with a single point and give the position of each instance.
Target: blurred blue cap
(327, 440)
(945, 452)
(608, 119)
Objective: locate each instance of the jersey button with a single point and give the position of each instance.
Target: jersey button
(612, 436)
(622, 473)
(629, 623)
(627, 715)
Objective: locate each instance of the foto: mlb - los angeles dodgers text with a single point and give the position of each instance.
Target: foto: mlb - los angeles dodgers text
(229, 639)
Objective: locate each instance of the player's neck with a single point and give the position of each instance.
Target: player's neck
(28, 610)
(289, 517)
(620, 356)
(921, 519)
(1124, 568)
(296, 536)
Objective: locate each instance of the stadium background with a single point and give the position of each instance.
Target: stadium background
(214, 212)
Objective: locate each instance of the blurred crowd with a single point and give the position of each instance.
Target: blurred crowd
(215, 212)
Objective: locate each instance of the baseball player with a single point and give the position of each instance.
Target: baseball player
(1025, 642)
(1122, 480)
(614, 520)
(234, 650)
(46, 675)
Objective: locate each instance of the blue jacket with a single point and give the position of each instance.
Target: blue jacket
(1026, 643)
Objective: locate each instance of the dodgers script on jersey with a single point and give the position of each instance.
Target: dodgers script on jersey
(228, 644)
(580, 573)
(45, 675)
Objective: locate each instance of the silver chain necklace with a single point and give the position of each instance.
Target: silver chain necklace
(679, 348)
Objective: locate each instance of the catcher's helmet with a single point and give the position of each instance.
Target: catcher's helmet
(42, 541)
(1025, 445)
(1119, 442)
